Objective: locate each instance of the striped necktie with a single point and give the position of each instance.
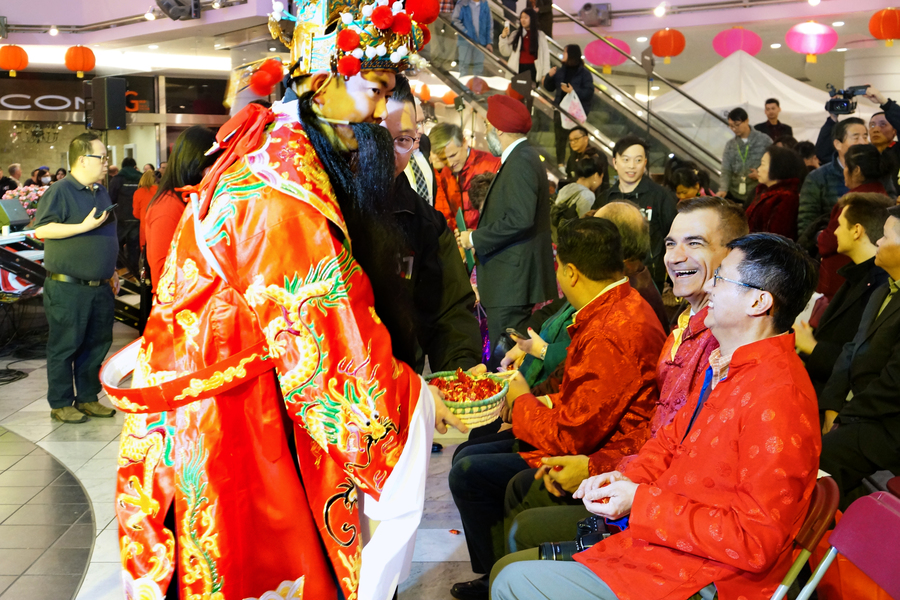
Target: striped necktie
(421, 186)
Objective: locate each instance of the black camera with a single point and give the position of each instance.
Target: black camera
(590, 531)
(842, 102)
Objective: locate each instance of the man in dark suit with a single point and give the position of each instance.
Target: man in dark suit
(862, 396)
(860, 225)
(512, 242)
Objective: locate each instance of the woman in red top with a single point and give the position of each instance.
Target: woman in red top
(146, 190)
(526, 47)
(186, 166)
(864, 170)
(774, 210)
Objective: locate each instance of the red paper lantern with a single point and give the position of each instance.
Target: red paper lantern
(80, 59)
(885, 25)
(423, 11)
(13, 58)
(478, 85)
(514, 94)
(424, 93)
(600, 53)
(731, 40)
(667, 43)
(811, 38)
(449, 97)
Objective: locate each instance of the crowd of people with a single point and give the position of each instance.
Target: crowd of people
(677, 376)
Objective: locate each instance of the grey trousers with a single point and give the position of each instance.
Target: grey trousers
(548, 579)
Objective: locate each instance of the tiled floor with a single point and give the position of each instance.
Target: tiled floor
(89, 450)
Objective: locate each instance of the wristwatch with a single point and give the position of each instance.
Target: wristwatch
(544, 351)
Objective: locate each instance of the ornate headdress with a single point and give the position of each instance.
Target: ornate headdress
(348, 36)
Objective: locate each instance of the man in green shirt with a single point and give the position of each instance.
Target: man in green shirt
(80, 249)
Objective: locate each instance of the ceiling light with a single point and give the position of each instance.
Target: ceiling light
(775, 46)
(217, 46)
(837, 24)
(841, 49)
(150, 15)
(660, 11)
(273, 49)
(654, 87)
(60, 127)
(814, 2)
(53, 30)
(153, 46)
(51, 147)
(217, 4)
(642, 39)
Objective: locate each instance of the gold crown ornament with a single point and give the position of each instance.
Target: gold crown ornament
(345, 37)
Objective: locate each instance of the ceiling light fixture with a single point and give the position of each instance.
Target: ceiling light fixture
(837, 24)
(217, 4)
(841, 49)
(53, 30)
(153, 46)
(814, 2)
(775, 46)
(150, 15)
(660, 11)
(654, 87)
(273, 49)
(642, 39)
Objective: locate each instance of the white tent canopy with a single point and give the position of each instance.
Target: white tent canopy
(741, 80)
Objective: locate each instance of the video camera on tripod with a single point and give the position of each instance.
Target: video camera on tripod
(842, 102)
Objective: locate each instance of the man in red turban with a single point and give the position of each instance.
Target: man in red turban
(512, 242)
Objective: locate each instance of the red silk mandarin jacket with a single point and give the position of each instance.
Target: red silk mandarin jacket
(249, 520)
(721, 503)
(678, 375)
(608, 392)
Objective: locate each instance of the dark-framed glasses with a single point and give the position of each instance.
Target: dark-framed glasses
(717, 277)
(98, 157)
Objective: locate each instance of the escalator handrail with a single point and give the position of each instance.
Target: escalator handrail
(632, 59)
(687, 147)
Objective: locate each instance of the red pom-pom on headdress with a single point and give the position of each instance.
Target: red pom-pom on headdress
(274, 68)
(423, 11)
(382, 17)
(402, 24)
(349, 66)
(426, 36)
(348, 40)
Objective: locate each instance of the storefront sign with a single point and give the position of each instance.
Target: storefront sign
(43, 94)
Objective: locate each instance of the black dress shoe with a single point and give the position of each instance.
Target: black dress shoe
(477, 589)
(435, 447)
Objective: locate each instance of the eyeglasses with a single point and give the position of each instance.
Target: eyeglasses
(575, 139)
(98, 157)
(735, 126)
(717, 277)
(404, 143)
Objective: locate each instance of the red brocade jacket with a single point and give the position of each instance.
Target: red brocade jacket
(682, 364)
(774, 210)
(608, 392)
(271, 338)
(721, 503)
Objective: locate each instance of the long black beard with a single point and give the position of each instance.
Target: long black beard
(363, 185)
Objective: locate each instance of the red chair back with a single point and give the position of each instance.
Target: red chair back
(868, 536)
(822, 506)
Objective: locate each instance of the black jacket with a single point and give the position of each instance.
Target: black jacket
(825, 144)
(512, 241)
(658, 205)
(579, 78)
(841, 319)
(7, 183)
(121, 190)
(869, 366)
(446, 327)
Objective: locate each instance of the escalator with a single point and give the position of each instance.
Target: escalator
(614, 112)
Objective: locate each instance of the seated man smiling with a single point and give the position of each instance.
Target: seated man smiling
(717, 497)
(606, 398)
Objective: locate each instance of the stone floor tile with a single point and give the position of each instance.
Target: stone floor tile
(439, 545)
(16, 561)
(30, 536)
(61, 561)
(42, 587)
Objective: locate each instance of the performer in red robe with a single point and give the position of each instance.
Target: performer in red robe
(266, 404)
(718, 496)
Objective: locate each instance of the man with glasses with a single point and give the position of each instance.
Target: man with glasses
(741, 158)
(714, 501)
(579, 143)
(447, 330)
(657, 203)
(419, 171)
(80, 249)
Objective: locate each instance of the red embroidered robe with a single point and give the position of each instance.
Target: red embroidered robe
(329, 395)
(677, 374)
(608, 392)
(723, 502)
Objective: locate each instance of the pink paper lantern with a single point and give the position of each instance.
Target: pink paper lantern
(731, 40)
(600, 53)
(811, 38)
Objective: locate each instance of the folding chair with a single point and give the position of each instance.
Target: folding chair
(867, 536)
(822, 506)
(893, 486)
